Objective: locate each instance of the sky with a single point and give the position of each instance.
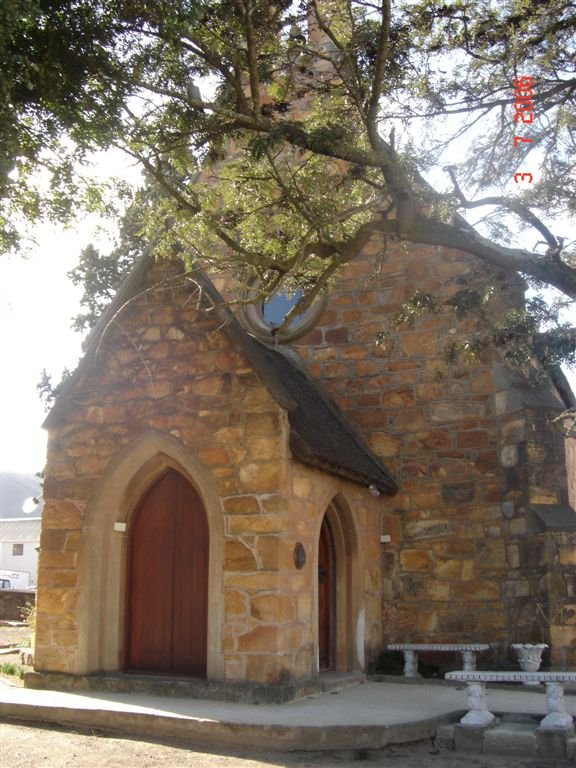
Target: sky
(37, 301)
(37, 305)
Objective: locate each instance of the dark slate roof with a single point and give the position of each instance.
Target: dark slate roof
(554, 517)
(320, 435)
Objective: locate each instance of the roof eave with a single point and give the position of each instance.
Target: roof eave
(303, 453)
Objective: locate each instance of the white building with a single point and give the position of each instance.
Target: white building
(20, 522)
(19, 542)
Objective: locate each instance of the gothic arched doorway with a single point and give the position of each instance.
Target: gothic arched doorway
(326, 597)
(167, 581)
(340, 614)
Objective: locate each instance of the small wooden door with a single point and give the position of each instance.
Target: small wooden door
(167, 589)
(326, 597)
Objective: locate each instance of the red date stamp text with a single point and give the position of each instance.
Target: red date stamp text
(523, 113)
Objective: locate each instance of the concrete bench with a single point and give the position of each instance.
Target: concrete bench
(478, 715)
(410, 650)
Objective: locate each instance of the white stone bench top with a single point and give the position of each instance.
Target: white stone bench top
(438, 647)
(485, 676)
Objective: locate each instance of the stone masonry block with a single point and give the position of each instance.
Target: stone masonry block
(419, 344)
(236, 603)
(458, 493)
(261, 581)
(254, 524)
(262, 424)
(273, 608)
(241, 505)
(416, 560)
(511, 739)
(238, 557)
(476, 590)
(468, 739)
(260, 477)
(552, 743)
(259, 639)
(445, 737)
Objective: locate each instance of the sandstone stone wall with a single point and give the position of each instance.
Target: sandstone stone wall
(464, 562)
(271, 633)
(561, 588)
(164, 367)
(541, 580)
(571, 464)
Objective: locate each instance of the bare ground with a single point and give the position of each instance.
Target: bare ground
(14, 633)
(32, 746)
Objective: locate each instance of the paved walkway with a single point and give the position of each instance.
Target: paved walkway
(370, 715)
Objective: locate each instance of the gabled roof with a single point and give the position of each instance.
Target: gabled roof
(21, 530)
(320, 435)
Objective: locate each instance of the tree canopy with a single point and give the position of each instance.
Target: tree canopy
(442, 123)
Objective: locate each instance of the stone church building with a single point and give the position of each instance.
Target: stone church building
(250, 507)
(228, 503)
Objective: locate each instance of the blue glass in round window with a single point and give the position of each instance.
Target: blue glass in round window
(265, 318)
(275, 308)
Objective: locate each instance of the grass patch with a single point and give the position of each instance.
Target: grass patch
(11, 670)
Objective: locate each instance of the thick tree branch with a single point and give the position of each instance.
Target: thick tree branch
(461, 236)
(514, 206)
(380, 66)
(246, 11)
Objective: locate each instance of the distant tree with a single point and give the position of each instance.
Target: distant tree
(485, 91)
(100, 274)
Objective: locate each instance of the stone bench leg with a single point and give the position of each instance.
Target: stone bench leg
(410, 664)
(469, 661)
(557, 718)
(478, 715)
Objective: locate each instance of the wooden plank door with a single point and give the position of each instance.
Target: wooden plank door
(326, 597)
(167, 597)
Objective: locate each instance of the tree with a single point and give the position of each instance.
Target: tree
(100, 274)
(332, 116)
(62, 95)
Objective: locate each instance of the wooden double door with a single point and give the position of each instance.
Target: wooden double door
(167, 585)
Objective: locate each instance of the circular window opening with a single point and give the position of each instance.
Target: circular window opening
(276, 308)
(266, 318)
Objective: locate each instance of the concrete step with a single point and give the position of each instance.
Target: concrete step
(332, 682)
(195, 688)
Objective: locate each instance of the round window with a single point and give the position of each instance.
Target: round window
(265, 318)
